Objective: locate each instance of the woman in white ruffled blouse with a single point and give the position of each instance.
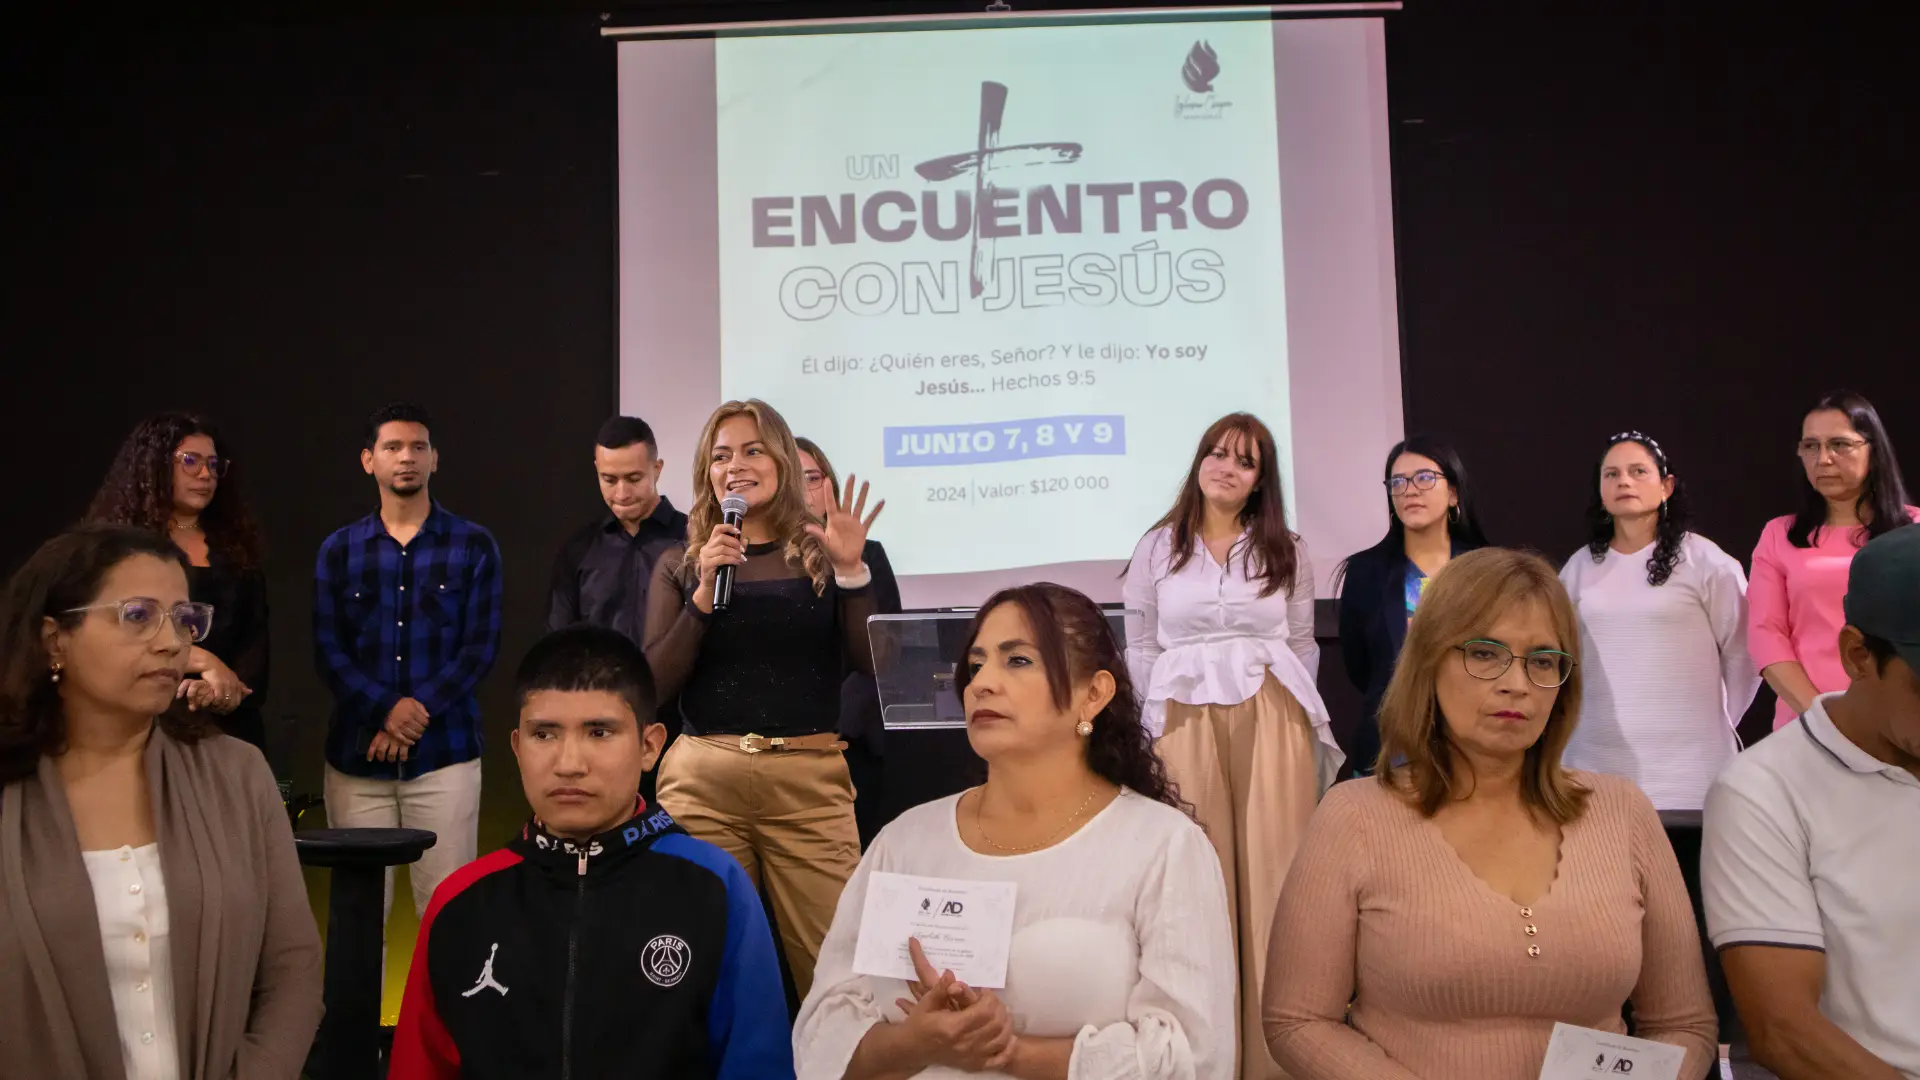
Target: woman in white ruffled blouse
(1226, 662)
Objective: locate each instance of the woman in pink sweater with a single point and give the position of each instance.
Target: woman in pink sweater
(1853, 494)
(1440, 917)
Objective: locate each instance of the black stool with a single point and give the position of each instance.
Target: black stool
(1684, 833)
(348, 1047)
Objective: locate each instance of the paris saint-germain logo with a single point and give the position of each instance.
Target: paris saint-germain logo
(665, 961)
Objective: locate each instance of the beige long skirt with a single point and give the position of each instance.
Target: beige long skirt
(1249, 771)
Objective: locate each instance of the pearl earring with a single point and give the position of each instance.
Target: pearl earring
(1085, 728)
(56, 671)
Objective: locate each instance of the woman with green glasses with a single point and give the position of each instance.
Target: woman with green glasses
(1442, 917)
(153, 922)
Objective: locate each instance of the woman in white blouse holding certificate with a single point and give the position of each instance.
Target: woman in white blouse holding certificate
(1226, 660)
(1663, 617)
(1119, 962)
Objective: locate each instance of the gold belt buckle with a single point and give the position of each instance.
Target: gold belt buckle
(746, 743)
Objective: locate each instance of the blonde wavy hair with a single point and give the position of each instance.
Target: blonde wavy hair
(1460, 603)
(786, 515)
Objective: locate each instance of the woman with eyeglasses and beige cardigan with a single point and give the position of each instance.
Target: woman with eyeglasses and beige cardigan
(153, 922)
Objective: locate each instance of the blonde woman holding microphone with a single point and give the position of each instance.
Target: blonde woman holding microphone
(758, 768)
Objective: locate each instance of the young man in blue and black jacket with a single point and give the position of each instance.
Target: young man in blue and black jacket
(603, 941)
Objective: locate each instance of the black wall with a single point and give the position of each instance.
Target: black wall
(285, 226)
(1691, 223)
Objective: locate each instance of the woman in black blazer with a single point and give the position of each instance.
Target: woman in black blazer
(860, 723)
(1431, 521)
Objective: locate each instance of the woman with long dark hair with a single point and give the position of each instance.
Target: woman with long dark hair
(1853, 493)
(1429, 521)
(176, 476)
(153, 924)
(1225, 659)
(1120, 961)
(860, 721)
(758, 768)
(1663, 627)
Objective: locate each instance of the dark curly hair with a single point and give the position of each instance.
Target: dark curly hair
(1074, 641)
(138, 490)
(1676, 514)
(65, 573)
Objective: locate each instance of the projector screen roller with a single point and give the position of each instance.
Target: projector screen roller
(1010, 275)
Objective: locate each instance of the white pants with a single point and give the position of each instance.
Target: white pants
(445, 802)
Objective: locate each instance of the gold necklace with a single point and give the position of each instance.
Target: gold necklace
(186, 526)
(980, 827)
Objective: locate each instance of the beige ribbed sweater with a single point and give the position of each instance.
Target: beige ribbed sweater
(1379, 910)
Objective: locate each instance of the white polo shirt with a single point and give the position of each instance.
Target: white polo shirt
(1812, 843)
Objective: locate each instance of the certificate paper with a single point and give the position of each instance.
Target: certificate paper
(963, 926)
(1577, 1053)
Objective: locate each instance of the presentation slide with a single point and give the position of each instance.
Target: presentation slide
(1016, 284)
(1009, 275)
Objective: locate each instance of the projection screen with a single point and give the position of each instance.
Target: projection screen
(1009, 275)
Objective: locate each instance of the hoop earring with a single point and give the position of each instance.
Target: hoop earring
(56, 671)
(1453, 513)
(1084, 728)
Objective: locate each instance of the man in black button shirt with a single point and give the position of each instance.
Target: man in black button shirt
(602, 573)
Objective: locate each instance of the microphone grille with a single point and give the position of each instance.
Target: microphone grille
(733, 504)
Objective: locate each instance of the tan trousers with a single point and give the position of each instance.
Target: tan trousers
(445, 802)
(787, 815)
(1248, 770)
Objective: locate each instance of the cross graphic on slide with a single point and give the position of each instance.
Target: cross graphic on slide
(486, 976)
(988, 155)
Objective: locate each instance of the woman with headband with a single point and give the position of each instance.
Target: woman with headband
(1663, 614)
(758, 769)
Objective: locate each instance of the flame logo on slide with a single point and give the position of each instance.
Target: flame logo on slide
(1201, 68)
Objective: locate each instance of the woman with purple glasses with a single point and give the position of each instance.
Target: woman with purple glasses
(175, 476)
(153, 924)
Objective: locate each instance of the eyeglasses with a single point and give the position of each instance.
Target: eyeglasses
(191, 462)
(813, 477)
(1840, 448)
(1547, 668)
(1424, 480)
(141, 617)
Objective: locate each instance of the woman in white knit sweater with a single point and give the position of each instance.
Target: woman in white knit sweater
(1120, 964)
(1663, 616)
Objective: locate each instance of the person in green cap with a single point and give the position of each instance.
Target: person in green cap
(1811, 860)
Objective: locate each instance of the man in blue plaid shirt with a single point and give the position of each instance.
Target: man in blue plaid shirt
(406, 622)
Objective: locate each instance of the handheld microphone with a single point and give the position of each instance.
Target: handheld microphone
(733, 511)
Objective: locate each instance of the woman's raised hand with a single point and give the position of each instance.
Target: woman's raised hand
(845, 534)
